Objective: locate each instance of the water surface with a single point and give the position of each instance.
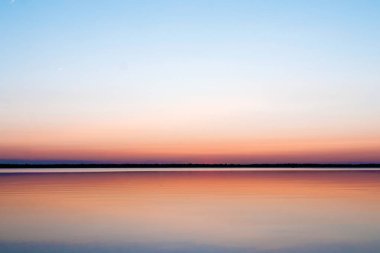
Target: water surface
(191, 211)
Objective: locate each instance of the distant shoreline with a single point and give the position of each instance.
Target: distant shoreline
(188, 165)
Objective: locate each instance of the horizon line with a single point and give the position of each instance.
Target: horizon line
(189, 165)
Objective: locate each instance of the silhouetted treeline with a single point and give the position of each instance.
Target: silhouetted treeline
(191, 165)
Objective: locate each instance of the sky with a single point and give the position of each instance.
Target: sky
(190, 81)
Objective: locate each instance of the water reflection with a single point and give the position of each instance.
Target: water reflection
(191, 212)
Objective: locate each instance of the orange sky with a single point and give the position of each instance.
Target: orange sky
(116, 145)
(243, 82)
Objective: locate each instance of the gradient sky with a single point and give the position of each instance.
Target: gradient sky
(190, 81)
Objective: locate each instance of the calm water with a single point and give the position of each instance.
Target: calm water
(241, 211)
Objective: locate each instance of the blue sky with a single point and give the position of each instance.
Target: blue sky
(175, 75)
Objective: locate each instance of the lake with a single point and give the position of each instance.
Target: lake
(264, 211)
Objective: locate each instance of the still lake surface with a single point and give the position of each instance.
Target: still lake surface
(190, 211)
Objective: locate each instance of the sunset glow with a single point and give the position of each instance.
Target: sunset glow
(190, 81)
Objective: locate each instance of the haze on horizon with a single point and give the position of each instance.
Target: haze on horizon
(190, 81)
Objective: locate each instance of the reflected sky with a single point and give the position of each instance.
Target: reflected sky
(293, 211)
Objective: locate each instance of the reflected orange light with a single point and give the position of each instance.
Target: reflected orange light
(241, 208)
